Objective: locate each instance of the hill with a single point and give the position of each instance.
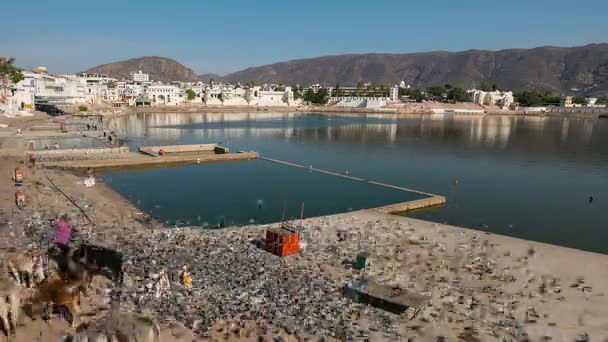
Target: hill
(557, 69)
(210, 76)
(159, 68)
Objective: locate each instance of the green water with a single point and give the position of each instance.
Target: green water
(525, 177)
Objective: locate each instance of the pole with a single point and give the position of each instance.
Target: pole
(302, 217)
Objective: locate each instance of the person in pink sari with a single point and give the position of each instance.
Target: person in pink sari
(62, 232)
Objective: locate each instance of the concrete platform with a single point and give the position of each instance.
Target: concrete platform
(412, 205)
(189, 159)
(170, 149)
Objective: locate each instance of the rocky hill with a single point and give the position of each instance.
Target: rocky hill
(557, 69)
(159, 68)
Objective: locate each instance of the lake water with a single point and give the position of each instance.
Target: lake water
(524, 177)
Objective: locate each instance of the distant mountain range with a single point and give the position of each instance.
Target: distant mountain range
(160, 69)
(556, 69)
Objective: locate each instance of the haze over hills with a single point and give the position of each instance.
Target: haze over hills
(557, 69)
(160, 69)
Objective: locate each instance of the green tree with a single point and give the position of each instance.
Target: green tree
(485, 87)
(580, 100)
(9, 74)
(448, 86)
(436, 91)
(297, 92)
(383, 90)
(551, 100)
(413, 93)
(495, 87)
(531, 98)
(322, 96)
(190, 94)
(458, 95)
(602, 100)
(309, 96)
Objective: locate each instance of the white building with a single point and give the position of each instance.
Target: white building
(58, 89)
(19, 98)
(403, 85)
(498, 98)
(269, 98)
(393, 94)
(163, 94)
(96, 86)
(140, 77)
(133, 90)
(363, 97)
(592, 102)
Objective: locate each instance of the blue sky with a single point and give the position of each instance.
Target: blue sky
(224, 36)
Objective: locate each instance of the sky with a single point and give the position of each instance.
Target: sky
(223, 36)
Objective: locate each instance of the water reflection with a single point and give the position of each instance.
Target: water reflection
(521, 176)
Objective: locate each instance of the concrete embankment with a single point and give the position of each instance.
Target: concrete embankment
(149, 161)
(78, 151)
(155, 150)
(412, 205)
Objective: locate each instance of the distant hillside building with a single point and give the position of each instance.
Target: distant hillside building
(502, 99)
(140, 77)
(567, 102)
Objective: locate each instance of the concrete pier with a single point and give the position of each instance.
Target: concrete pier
(140, 160)
(430, 201)
(412, 205)
(81, 151)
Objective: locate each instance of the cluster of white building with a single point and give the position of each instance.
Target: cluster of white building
(39, 89)
(236, 95)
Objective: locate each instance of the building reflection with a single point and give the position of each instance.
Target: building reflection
(525, 135)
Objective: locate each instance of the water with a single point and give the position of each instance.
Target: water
(524, 177)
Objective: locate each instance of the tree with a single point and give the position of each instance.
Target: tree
(580, 100)
(485, 87)
(448, 86)
(436, 91)
(384, 92)
(9, 74)
(297, 92)
(322, 96)
(190, 94)
(602, 100)
(532, 98)
(413, 93)
(309, 96)
(495, 87)
(458, 95)
(551, 100)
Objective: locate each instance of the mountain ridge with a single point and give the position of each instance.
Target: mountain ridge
(160, 69)
(552, 68)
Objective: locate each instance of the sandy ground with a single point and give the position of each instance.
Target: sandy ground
(483, 287)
